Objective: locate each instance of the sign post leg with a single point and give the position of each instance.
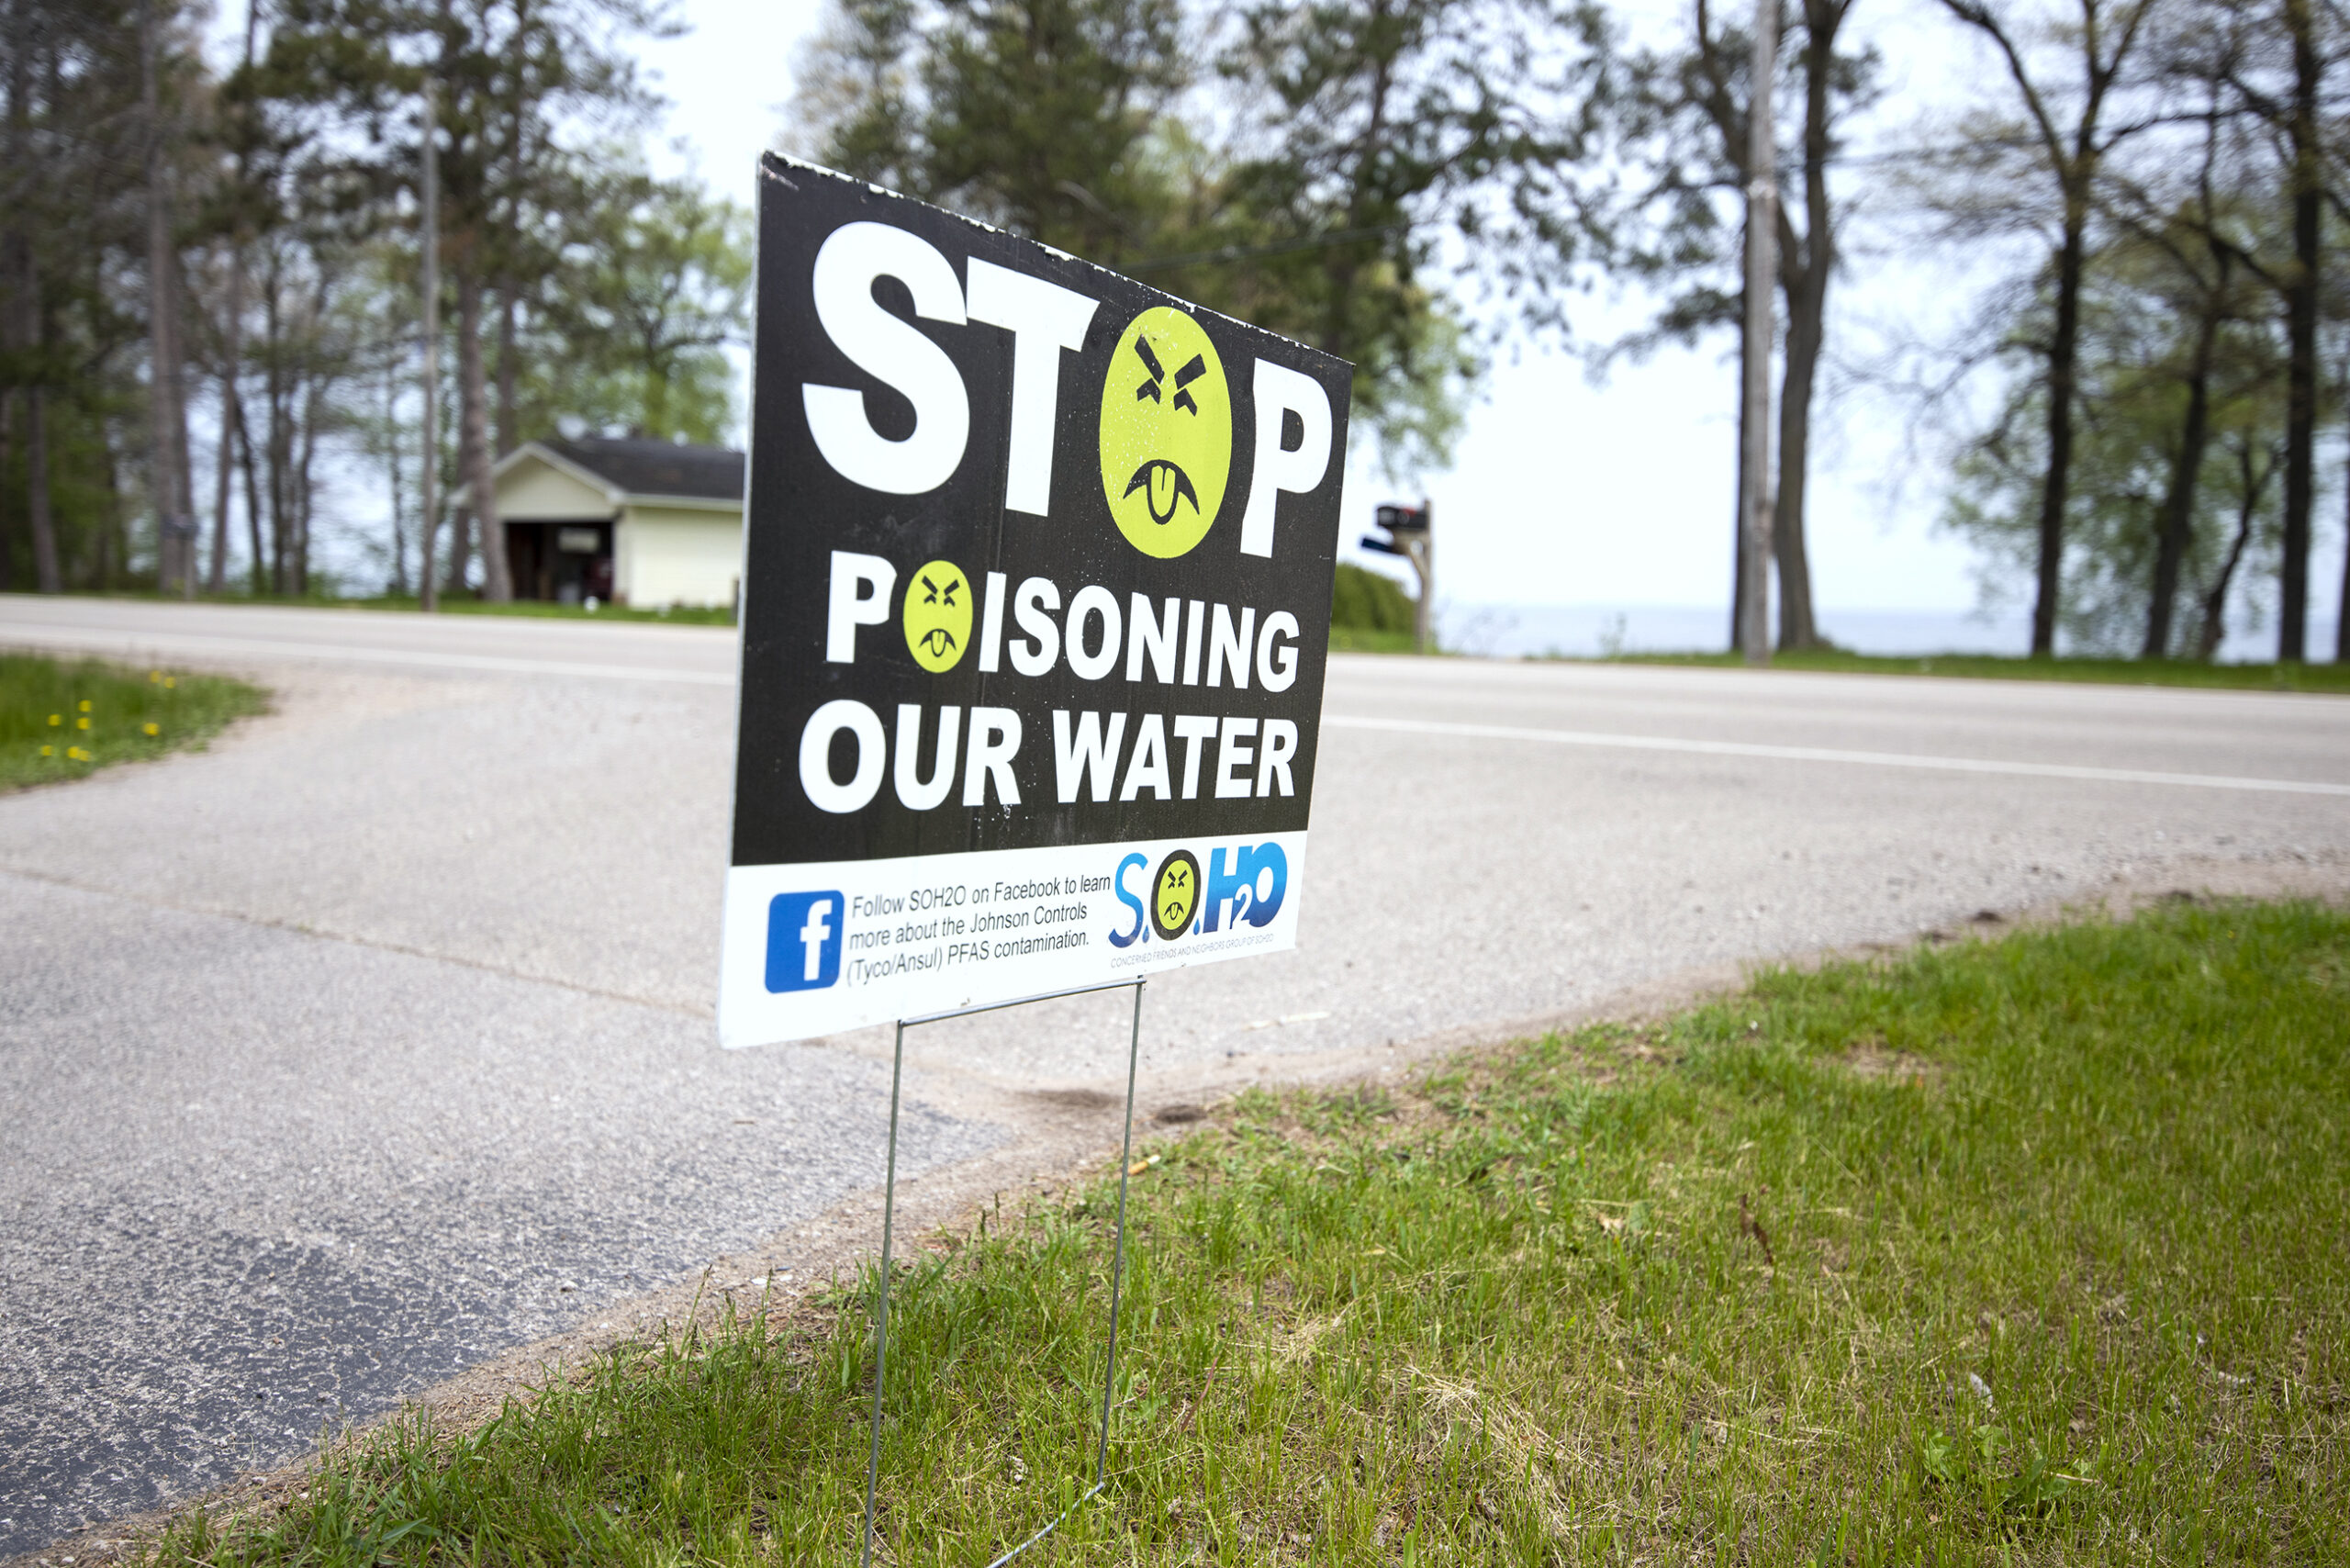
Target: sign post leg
(1118, 1247)
(881, 1311)
(1117, 1272)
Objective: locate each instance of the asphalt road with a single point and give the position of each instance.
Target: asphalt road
(377, 1040)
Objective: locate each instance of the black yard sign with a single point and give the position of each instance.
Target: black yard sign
(1035, 611)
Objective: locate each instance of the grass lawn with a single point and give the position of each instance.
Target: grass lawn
(1357, 640)
(66, 719)
(2334, 678)
(2035, 1251)
(677, 615)
(683, 615)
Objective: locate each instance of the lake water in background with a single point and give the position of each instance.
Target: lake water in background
(1522, 630)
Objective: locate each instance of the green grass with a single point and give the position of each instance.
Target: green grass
(1359, 640)
(2034, 1251)
(676, 615)
(62, 720)
(2328, 677)
(680, 615)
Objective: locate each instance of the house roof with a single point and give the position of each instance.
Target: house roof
(635, 467)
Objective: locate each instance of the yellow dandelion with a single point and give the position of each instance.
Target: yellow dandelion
(56, 719)
(85, 704)
(48, 751)
(156, 676)
(81, 724)
(170, 681)
(154, 729)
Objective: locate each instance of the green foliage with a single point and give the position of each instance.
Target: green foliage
(2138, 334)
(1355, 139)
(2029, 1250)
(1363, 601)
(72, 328)
(656, 282)
(62, 720)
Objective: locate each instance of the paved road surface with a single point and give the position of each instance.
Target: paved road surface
(377, 1040)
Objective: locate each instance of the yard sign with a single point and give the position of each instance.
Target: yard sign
(1035, 609)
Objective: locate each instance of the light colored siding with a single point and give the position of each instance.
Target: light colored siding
(532, 490)
(677, 555)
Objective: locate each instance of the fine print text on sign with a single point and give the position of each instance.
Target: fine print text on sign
(1035, 611)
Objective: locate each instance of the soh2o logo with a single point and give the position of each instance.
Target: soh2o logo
(1242, 884)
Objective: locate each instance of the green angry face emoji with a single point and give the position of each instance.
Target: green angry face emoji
(1175, 895)
(1166, 433)
(937, 615)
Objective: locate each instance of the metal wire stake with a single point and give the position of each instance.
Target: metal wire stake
(1117, 1267)
(1118, 1249)
(881, 1321)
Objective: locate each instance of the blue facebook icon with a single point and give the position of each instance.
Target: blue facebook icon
(803, 941)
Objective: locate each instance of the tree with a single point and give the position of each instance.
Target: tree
(1689, 114)
(511, 75)
(168, 481)
(1360, 133)
(78, 270)
(2179, 382)
(2063, 139)
(2275, 63)
(656, 282)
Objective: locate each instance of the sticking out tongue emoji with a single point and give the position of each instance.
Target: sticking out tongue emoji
(1166, 433)
(1163, 483)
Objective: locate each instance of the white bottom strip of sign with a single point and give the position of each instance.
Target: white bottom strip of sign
(817, 947)
(1824, 754)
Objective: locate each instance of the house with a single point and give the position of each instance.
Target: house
(627, 521)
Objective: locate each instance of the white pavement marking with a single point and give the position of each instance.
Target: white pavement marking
(1824, 754)
(258, 647)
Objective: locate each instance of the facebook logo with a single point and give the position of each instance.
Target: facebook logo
(803, 941)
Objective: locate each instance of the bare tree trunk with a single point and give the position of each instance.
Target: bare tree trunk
(44, 526)
(2300, 334)
(506, 367)
(2215, 627)
(1806, 270)
(429, 263)
(16, 246)
(1762, 294)
(2178, 506)
(39, 521)
(397, 475)
(2064, 350)
(167, 459)
(255, 574)
(114, 538)
(7, 436)
(275, 448)
(313, 415)
(217, 581)
(472, 440)
(1738, 511)
(2342, 615)
(1798, 629)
